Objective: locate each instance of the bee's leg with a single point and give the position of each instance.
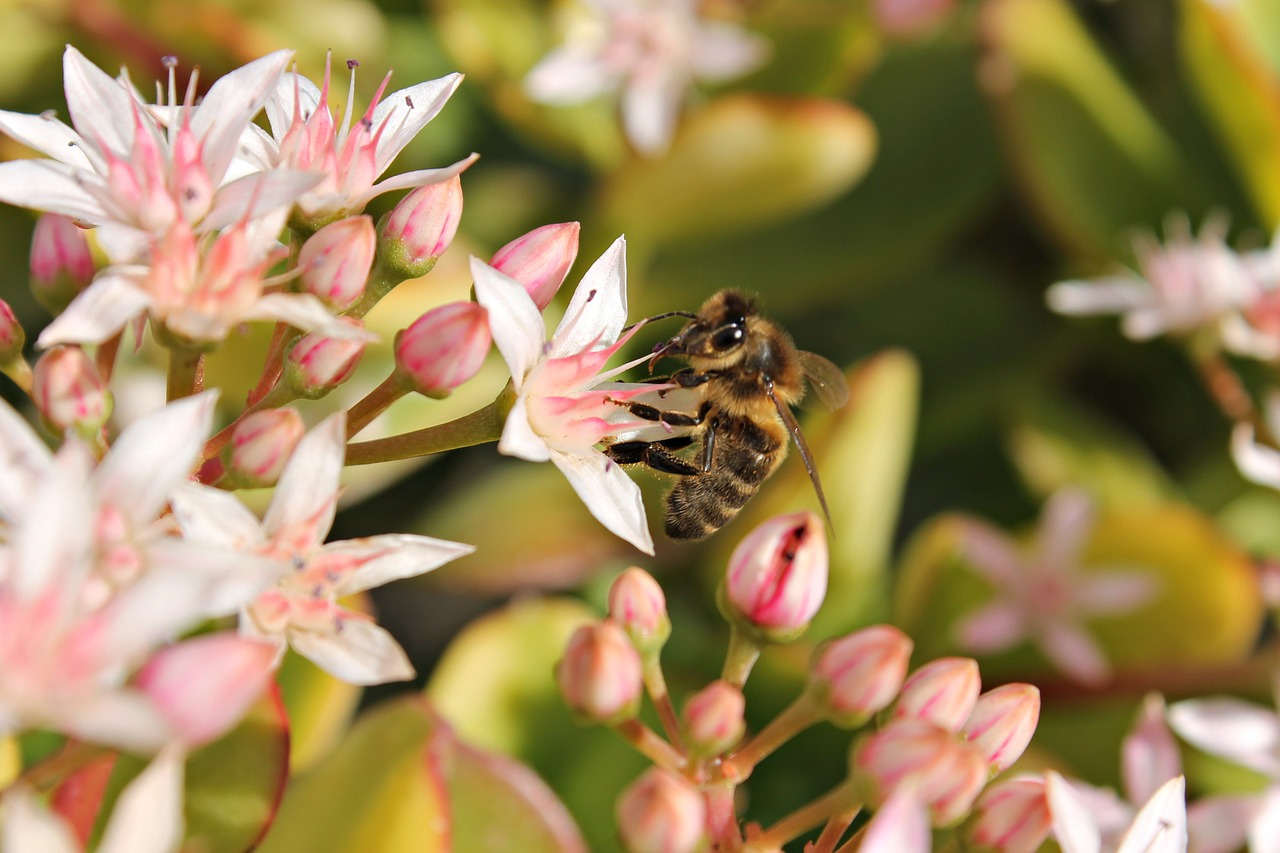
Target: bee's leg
(652, 413)
(652, 454)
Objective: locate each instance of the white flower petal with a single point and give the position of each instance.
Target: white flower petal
(152, 456)
(26, 462)
(1161, 826)
(1239, 731)
(609, 494)
(1221, 824)
(29, 826)
(280, 103)
(991, 628)
(427, 98)
(215, 517)
(231, 102)
(360, 653)
(1114, 592)
(1114, 295)
(517, 325)
(991, 553)
(569, 77)
(102, 108)
(307, 492)
(51, 549)
(598, 310)
(98, 313)
(1072, 650)
(1257, 462)
(1065, 525)
(46, 135)
(723, 51)
(901, 825)
(1264, 830)
(253, 195)
(306, 312)
(1073, 823)
(518, 437)
(50, 186)
(125, 719)
(225, 579)
(650, 110)
(391, 557)
(1149, 755)
(148, 816)
(411, 180)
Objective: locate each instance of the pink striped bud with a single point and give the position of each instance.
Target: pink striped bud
(942, 691)
(600, 674)
(1002, 723)
(661, 813)
(69, 391)
(1012, 816)
(261, 445)
(61, 262)
(204, 686)
(777, 576)
(12, 337)
(418, 230)
(637, 604)
(443, 348)
(335, 261)
(540, 260)
(945, 773)
(317, 363)
(714, 719)
(859, 674)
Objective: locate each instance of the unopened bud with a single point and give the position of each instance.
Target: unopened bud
(910, 18)
(1002, 723)
(69, 391)
(12, 337)
(600, 674)
(335, 261)
(777, 577)
(61, 262)
(714, 719)
(859, 674)
(443, 348)
(540, 260)
(261, 445)
(418, 230)
(1012, 816)
(661, 813)
(942, 691)
(317, 363)
(944, 772)
(637, 604)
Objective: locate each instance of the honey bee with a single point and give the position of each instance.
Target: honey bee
(748, 374)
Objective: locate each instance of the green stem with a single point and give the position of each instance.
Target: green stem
(646, 741)
(743, 652)
(186, 373)
(797, 717)
(19, 371)
(655, 683)
(481, 426)
(839, 803)
(722, 819)
(376, 402)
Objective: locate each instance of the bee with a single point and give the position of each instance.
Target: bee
(747, 374)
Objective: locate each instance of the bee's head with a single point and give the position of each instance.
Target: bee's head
(717, 332)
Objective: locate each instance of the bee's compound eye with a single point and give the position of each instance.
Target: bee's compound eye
(728, 337)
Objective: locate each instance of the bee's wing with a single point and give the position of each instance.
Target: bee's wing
(793, 427)
(827, 380)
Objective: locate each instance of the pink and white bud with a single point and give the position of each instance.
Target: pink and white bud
(1002, 723)
(777, 576)
(910, 18)
(600, 674)
(943, 692)
(540, 260)
(714, 719)
(204, 686)
(418, 230)
(637, 603)
(335, 261)
(945, 773)
(261, 445)
(69, 391)
(61, 262)
(317, 363)
(859, 674)
(661, 813)
(443, 348)
(12, 337)
(1012, 816)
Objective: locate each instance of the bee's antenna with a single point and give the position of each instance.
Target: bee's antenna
(686, 314)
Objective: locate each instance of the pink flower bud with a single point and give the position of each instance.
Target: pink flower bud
(335, 261)
(778, 575)
(204, 686)
(1002, 723)
(600, 674)
(69, 391)
(943, 772)
(861, 673)
(540, 260)
(942, 691)
(12, 337)
(714, 719)
(317, 363)
(414, 234)
(910, 18)
(61, 263)
(661, 813)
(444, 347)
(261, 445)
(637, 604)
(1012, 816)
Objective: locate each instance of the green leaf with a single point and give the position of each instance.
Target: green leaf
(1239, 92)
(1089, 156)
(742, 161)
(319, 707)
